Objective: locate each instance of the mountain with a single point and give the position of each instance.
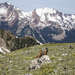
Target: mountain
(44, 24)
(9, 42)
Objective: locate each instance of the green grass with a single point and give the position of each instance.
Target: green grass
(61, 55)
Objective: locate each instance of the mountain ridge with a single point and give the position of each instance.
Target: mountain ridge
(44, 24)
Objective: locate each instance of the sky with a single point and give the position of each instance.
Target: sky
(65, 6)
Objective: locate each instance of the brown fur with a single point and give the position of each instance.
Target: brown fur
(41, 53)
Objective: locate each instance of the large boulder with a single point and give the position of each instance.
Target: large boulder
(38, 62)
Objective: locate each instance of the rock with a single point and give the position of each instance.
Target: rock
(38, 62)
(3, 47)
(4, 50)
(1, 51)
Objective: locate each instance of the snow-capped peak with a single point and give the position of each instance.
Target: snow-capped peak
(48, 16)
(36, 22)
(41, 11)
(38, 17)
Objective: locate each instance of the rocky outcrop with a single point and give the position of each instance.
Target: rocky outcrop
(11, 42)
(38, 62)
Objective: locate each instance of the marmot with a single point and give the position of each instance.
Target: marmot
(42, 52)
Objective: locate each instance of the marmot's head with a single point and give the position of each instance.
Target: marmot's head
(46, 49)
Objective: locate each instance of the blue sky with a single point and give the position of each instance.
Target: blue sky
(66, 6)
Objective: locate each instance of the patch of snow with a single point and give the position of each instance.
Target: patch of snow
(42, 18)
(73, 16)
(27, 14)
(3, 11)
(41, 11)
(52, 19)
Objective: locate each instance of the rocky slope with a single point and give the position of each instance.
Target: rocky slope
(9, 42)
(44, 24)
